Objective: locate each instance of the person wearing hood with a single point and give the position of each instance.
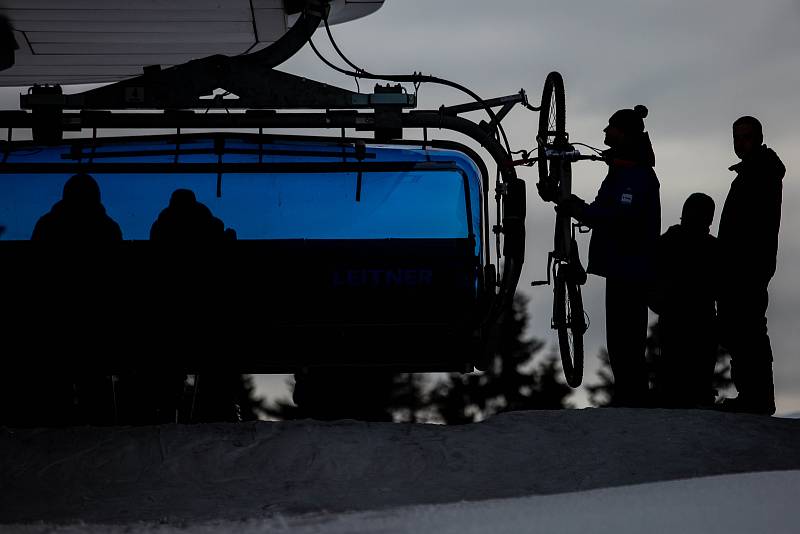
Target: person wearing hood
(625, 219)
(79, 217)
(185, 220)
(79, 222)
(684, 296)
(748, 238)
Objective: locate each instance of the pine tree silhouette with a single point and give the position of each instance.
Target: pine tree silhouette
(409, 403)
(514, 378)
(250, 406)
(221, 397)
(283, 408)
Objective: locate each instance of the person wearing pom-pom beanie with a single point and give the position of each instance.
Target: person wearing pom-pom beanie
(625, 219)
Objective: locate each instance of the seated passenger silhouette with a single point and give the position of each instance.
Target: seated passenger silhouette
(684, 296)
(78, 217)
(186, 220)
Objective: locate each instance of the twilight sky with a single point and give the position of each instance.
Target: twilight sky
(696, 65)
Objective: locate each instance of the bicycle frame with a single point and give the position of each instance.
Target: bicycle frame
(564, 230)
(562, 241)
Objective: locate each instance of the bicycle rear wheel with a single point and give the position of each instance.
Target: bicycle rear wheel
(552, 122)
(569, 322)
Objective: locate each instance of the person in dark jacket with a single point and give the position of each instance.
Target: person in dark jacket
(79, 217)
(625, 219)
(684, 297)
(185, 222)
(78, 221)
(748, 238)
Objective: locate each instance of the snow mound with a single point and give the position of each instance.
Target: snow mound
(727, 504)
(199, 473)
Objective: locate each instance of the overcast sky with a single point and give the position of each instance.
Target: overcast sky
(696, 65)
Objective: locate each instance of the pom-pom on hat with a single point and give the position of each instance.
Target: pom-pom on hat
(630, 121)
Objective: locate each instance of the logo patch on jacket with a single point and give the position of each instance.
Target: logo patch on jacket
(627, 198)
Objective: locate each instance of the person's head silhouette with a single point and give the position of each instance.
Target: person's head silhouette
(186, 220)
(81, 190)
(625, 126)
(698, 212)
(748, 135)
(626, 137)
(182, 199)
(78, 216)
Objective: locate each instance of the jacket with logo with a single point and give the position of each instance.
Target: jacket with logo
(625, 219)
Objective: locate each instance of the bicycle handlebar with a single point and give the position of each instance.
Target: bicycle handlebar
(556, 154)
(570, 155)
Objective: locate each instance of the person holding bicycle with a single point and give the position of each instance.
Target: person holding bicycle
(748, 238)
(625, 219)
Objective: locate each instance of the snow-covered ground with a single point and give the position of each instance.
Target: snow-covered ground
(727, 504)
(595, 470)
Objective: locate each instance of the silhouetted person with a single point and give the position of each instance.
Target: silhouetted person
(748, 238)
(625, 219)
(78, 221)
(79, 217)
(684, 297)
(186, 220)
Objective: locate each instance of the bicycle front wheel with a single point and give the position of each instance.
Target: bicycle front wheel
(569, 322)
(552, 121)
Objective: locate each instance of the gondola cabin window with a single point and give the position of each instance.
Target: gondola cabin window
(430, 194)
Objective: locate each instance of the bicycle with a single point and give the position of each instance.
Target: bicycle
(554, 161)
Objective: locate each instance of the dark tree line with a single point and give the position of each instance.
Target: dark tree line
(517, 377)
(135, 398)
